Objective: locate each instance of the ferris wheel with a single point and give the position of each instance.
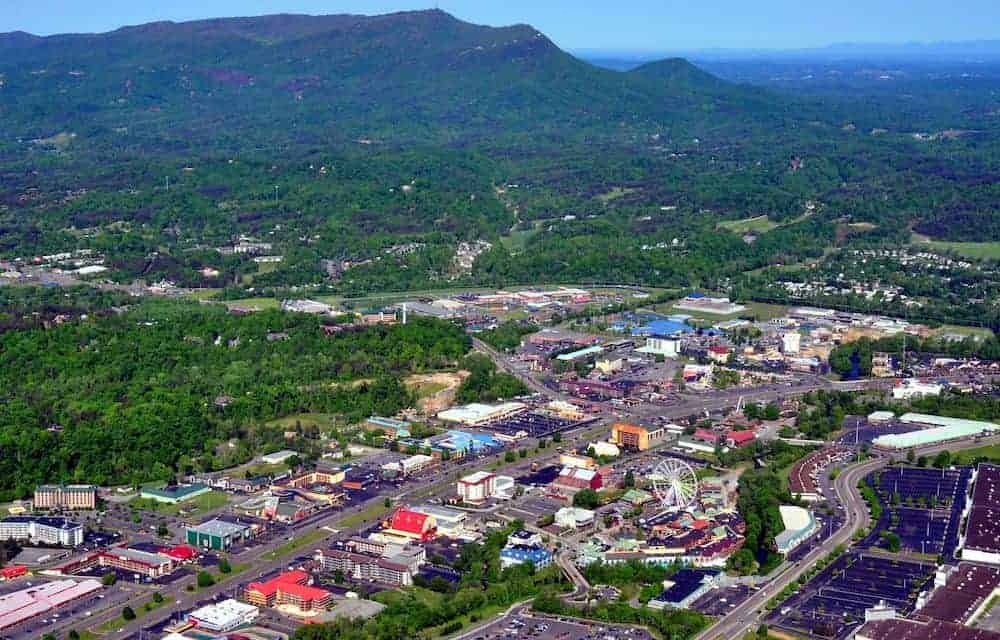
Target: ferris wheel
(674, 483)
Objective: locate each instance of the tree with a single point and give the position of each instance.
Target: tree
(162, 530)
(387, 503)
(942, 459)
(911, 457)
(73, 635)
(629, 480)
(205, 579)
(586, 499)
(224, 566)
(523, 453)
(128, 614)
(772, 411)
(892, 542)
(157, 597)
(557, 437)
(109, 578)
(510, 456)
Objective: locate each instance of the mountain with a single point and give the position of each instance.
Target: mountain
(416, 76)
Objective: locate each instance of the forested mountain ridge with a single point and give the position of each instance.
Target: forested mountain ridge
(400, 77)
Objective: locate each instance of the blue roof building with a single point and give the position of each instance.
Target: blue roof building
(519, 554)
(662, 329)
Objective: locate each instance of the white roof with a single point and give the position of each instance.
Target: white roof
(795, 518)
(881, 416)
(224, 614)
(575, 513)
(475, 412)
(477, 477)
(278, 456)
(944, 421)
(577, 472)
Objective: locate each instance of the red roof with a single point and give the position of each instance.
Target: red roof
(280, 582)
(740, 438)
(409, 522)
(13, 571)
(181, 552)
(717, 349)
(705, 434)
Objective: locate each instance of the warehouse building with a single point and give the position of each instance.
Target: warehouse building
(218, 535)
(27, 604)
(42, 530)
(942, 429)
(65, 496)
(174, 494)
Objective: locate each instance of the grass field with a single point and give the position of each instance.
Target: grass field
(983, 332)
(295, 543)
(615, 193)
(757, 224)
(260, 303)
(968, 456)
(426, 389)
(197, 505)
(973, 250)
(370, 513)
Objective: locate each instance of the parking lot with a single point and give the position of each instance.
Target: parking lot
(544, 627)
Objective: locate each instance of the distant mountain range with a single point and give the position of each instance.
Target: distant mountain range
(964, 51)
(290, 78)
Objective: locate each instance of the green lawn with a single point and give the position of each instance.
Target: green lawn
(757, 224)
(982, 332)
(973, 250)
(261, 303)
(199, 504)
(295, 543)
(968, 456)
(116, 623)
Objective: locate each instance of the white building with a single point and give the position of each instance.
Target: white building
(574, 518)
(799, 525)
(791, 342)
(605, 449)
(42, 530)
(224, 616)
(306, 306)
(476, 415)
(666, 347)
(450, 522)
(609, 365)
(278, 457)
(907, 389)
(477, 488)
(505, 487)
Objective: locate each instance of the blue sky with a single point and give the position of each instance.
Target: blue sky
(630, 25)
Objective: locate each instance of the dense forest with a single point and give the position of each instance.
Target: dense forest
(158, 387)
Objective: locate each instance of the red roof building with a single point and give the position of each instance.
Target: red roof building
(575, 478)
(706, 435)
(740, 438)
(180, 552)
(412, 524)
(13, 571)
(289, 588)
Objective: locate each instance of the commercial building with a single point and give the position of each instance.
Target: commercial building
(42, 530)
(981, 542)
(224, 616)
(413, 524)
(150, 565)
(449, 522)
(901, 629)
(574, 518)
(908, 389)
(799, 525)
(634, 437)
(218, 535)
(174, 494)
(477, 488)
(358, 566)
(38, 600)
(605, 449)
(514, 554)
(65, 496)
(580, 354)
(666, 347)
(390, 427)
(943, 429)
(290, 588)
(572, 479)
(278, 457)
(409, 466)
(478, 415)
(791, 342)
